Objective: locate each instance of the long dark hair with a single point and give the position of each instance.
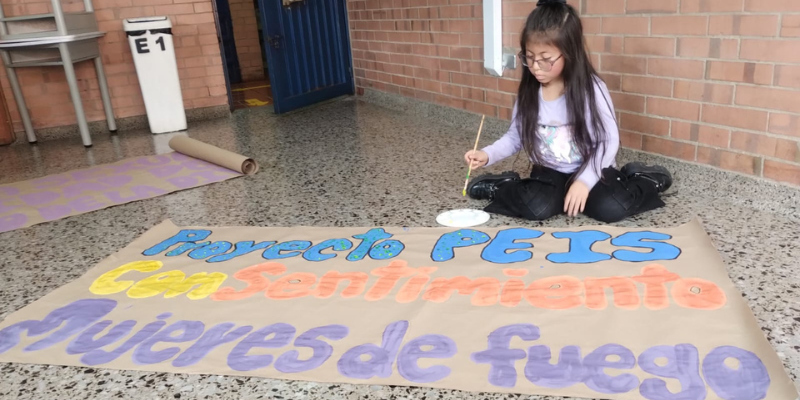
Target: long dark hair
(558, 24)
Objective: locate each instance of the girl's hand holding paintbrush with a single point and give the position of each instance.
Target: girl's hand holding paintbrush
(476, 158)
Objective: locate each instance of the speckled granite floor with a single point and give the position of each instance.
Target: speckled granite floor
(349, 163)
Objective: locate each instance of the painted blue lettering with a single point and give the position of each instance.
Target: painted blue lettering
(659, 250)
(184, 236)
(240, 249)
(444, 250)
(315, 252)
(386, 249)
(212, 249)
(580, 248)
(497, 250)
(367, 241)
(276, 251)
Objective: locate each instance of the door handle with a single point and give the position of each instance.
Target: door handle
(275, 41)
(287, 3)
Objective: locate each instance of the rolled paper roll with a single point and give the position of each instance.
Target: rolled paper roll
(213, 154)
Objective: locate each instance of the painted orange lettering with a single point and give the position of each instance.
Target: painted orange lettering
(487, 289)
(624, 289)
(330, 282)
(516, 273)
(292, 286)
(389, 276)
(411, 290)
(513, 289)
(555, 293)
(255, 281)
(655, 277)
(698, 294)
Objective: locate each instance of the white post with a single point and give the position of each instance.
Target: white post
(493, 37)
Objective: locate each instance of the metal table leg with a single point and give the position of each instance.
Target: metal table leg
(74, 91)
(17, 90)
(101, 80)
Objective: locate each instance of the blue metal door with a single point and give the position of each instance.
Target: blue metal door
(308, 51)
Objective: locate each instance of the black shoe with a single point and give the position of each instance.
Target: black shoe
(484, 186)
(655, 173)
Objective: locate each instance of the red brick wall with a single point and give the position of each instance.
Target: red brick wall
(245, 33)
(711, 81)
(196, 47)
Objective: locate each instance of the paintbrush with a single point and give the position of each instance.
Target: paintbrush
(477, 139)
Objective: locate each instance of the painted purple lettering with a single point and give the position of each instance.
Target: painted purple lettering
(13, 221)
(153, 161)
(240, 249)
(79, 188)
(115, 180)
(54, 212)
(240, 361)
(184, 236)
(165, 171)
(290, 361)
(750, 381)
(380, 358)
(39, 198)
(183, 182)
(85, 204)
(597, 361)
(501, 357)
(407, 361)
(74, 317)
(85, 342)
(567, 372)
(186, 331)
(216, 336)
(683, 364)
(100, 356)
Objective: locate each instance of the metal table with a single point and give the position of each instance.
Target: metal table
(51, 40)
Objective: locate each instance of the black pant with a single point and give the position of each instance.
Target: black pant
(613, 198)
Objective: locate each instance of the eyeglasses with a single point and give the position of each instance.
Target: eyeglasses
(545, 64)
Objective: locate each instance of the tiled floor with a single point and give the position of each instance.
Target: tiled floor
(348, 163)
(252, 94)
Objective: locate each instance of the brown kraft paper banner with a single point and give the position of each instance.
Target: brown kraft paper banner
(215, 155)
(593, 312)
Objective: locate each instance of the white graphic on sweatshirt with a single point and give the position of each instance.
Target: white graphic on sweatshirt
(556, 145)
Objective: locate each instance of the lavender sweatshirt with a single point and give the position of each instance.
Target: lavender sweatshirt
(555, 133)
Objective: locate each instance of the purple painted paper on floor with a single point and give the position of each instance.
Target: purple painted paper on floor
(53, 197)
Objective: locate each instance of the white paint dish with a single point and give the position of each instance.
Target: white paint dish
(463, 218)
